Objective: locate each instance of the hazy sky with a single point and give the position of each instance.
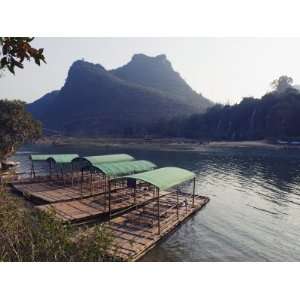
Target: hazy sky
(222, 69)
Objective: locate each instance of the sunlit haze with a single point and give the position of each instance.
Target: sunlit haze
(222, 69)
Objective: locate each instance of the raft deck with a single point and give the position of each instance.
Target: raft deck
(136, 232)
(49, 191)
(95, 208)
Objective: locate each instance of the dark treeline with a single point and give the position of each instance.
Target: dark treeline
(275, 115)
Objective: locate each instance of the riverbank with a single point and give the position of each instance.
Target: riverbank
(167, 144)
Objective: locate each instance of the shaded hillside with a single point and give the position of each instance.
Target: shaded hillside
(157, 73)
(275, 115)
(94, 101)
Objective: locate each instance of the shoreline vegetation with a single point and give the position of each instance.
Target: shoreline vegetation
(167, 144)
(30, 235)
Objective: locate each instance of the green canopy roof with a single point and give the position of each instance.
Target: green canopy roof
(116, 169)
(63, 158)
(39, 157)
(164, 178)
(100, 159)
(58, 158)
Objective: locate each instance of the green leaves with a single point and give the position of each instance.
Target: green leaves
(28, 234)
(16, 49)
(3, 62)
(16, 127)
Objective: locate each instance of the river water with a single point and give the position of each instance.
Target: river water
(254, 212)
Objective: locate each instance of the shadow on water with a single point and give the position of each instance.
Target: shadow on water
(255, 202)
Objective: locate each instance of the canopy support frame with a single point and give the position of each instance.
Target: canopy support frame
(109, 200)
(194, 187)
(158, 211)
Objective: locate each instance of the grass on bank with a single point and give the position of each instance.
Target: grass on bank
(30, 235)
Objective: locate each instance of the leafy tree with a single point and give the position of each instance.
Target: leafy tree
(282, 83)
(16, 127)
(14, 50)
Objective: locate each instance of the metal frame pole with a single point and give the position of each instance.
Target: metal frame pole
(109, 201)
(105, 191)
(134, 193)
(194, 186)
(107, 179)
(62, 174)
(72, 172)
(32, 170)
(81, 183)
(57, 174)
(50, 170)
(177, 203)
(158, 211)
(91, 183)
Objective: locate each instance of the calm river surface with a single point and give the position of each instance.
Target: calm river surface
(254, 212)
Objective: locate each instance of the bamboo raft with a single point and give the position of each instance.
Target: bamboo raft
(135, 233)
(140, 205)
(134, 221)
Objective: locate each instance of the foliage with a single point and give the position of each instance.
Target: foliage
(31, 235)
(15, 50)
(16, 127)
(282, 83)
(275, 115)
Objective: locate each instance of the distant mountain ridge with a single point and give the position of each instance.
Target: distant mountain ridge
(161, 76)
(124, 101)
